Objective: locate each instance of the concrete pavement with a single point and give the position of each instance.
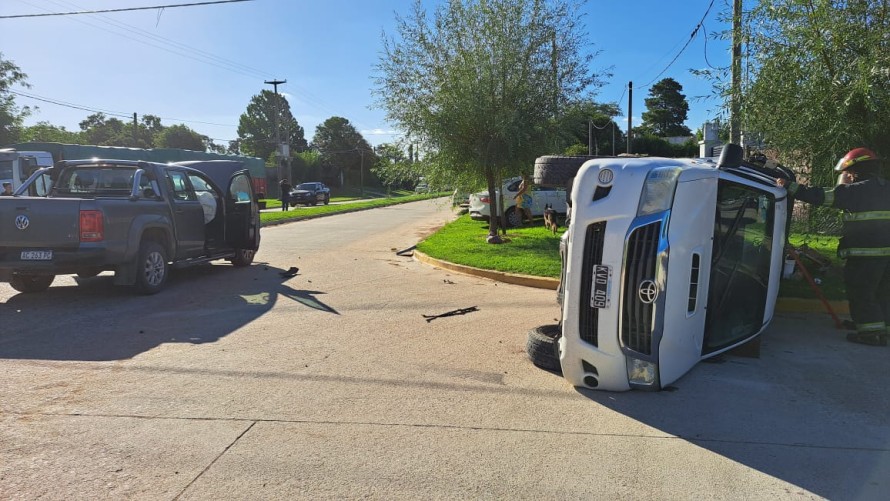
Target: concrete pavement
(240, 384)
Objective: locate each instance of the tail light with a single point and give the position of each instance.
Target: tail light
(92, 226)
(485, 200)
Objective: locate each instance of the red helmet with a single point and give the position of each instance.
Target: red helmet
(859, 157)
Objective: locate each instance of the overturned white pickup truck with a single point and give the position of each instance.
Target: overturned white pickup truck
(666, 262)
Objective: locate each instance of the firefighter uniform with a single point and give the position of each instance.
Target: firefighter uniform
(865, 244)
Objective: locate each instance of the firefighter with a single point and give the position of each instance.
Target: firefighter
(865, 240)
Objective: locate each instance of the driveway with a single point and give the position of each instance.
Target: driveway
(241, 383)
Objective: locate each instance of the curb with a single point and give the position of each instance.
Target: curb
(783, 304)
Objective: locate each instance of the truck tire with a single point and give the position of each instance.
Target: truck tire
(557, 171)
(243, 257)
(542, 347)
(31, 283)
(327, 199)
(152, 268)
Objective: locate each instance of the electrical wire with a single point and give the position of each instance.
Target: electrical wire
(691, 38)
(170, 6)
(118, 114)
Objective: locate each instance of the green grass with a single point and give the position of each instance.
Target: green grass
(534, 250)
(530, 250)
(319, 210)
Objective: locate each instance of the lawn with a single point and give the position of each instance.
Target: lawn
(533, 250)
(319, 210)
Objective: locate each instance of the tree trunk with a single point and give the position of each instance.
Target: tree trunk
(494, 212)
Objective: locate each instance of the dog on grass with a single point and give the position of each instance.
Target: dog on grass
(550, 219)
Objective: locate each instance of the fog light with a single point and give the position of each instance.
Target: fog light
(642, 372)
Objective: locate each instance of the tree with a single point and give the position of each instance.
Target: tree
(11, 116)
(343, 149)
(182, 137)
(45, 132)
(480, 83)
(103, 131)
(394, 168)
(820, 80)
(666, 110)
(256, 127)
(581, 118)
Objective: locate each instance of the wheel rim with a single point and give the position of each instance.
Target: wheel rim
(513, 218)
(246, 254)
(154, 268)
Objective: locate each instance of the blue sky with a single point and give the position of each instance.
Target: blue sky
(201, 65)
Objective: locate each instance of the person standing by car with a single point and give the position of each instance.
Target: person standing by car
(524, 201)
(865, 240)
(285, 193)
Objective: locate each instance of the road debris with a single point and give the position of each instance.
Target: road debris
(291, 272)
(405, 252)
(459, 311)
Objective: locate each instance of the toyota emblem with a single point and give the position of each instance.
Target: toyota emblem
(648, 291)
(22, 222)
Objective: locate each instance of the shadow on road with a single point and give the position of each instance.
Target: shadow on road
(102, 322)
(812, 411)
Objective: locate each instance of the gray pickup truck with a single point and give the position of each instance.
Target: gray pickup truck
(137, 219)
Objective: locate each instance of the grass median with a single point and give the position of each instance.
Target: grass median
(298, 213)
(534, 250)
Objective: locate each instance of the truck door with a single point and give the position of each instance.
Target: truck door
(188, 215)
(242, 214)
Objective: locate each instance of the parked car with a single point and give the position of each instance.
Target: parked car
(310, 194)
(137, 219)
(480, 204)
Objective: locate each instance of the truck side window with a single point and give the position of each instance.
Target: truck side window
(240, 189)
(180, 186)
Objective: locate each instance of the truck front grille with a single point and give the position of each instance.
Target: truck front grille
(636, 315)
(593, 255)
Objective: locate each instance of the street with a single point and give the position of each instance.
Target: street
(238, 383)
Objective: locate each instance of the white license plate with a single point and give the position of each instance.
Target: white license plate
(37, 255)
(602, 286)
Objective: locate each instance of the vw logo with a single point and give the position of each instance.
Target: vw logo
(22, 222)
(648, 291)
(605, 177)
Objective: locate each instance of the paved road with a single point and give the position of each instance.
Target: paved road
(241, 384)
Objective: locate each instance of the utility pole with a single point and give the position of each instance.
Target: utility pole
(735, 133)
(278, 150)
(135, 125)
(590, 137)
(630, 112)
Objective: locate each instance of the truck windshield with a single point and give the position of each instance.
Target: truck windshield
(740, 272)
(109, 180)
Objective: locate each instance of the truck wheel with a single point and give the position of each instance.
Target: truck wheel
(327, 199)
(542, 347)
(514, 218)
(243, 257)
(151, 268)
(554, 170)
(31, 283)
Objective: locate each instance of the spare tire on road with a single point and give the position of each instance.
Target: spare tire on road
(542, 347)
(558, 170)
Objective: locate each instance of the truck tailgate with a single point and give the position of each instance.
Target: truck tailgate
(39, 222)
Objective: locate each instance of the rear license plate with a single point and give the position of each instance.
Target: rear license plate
(602, 286)
(37, 255)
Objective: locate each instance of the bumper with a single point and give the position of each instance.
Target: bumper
(63, 262)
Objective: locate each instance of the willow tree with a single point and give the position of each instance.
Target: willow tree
(820, 79)
(480, 82)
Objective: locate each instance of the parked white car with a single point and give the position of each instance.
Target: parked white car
(480, 204)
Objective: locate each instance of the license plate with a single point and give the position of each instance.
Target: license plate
(37, 255)
(602, 286)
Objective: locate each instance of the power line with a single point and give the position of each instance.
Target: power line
(170, 6)
(691, 38)
(118, 114)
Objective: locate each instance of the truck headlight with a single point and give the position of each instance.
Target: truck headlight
(641, 372)
(658, 191)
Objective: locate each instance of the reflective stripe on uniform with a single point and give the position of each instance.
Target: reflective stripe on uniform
(874, 215)
(829, 197)
(871, 327)
(864, 252)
